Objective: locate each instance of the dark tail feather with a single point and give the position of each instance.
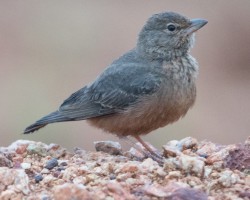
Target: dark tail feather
(33, 127)
(51, 118)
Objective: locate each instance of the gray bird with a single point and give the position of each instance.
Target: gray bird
(148, 87)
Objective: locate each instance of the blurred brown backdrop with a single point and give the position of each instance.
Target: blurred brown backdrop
(49, 49)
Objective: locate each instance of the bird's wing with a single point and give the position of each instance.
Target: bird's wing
(113, 91)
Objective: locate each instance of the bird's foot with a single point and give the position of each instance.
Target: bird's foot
(149, 151)
(154, 156)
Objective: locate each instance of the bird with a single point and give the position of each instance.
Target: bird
(150, 86)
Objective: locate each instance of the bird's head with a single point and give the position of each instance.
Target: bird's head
(167, 35)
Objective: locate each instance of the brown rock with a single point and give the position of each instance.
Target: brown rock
(188, 143)
(134, 153)
(21, 149)
(186, 194)
(119, 192)
(56, 151)
(110, 147)
(156, 191)
(71, 191)
(239, 157)
(169, 151)
(130, 167)
(4, 161)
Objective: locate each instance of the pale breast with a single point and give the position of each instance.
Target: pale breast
(172, 101)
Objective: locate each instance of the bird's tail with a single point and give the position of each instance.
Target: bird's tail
(48, 119)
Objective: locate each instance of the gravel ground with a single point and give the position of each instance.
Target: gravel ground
(190, 170)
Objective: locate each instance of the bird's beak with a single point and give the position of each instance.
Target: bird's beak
(195, 25)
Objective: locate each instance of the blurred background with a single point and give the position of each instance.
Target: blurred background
(50, 49)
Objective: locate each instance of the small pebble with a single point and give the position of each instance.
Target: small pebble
(56, 174)
(112, 176)
(45, 171)
(38, 178)
(60, 168)
(26, 165)
(64, 163)
(45, 197)
(51, 163)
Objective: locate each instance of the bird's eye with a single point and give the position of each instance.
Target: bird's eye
(171, 27)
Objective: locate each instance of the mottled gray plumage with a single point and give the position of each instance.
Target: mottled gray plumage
(148, 87)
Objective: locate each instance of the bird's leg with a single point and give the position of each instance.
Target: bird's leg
(148, 152)
(133, 144)
(147, 147)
